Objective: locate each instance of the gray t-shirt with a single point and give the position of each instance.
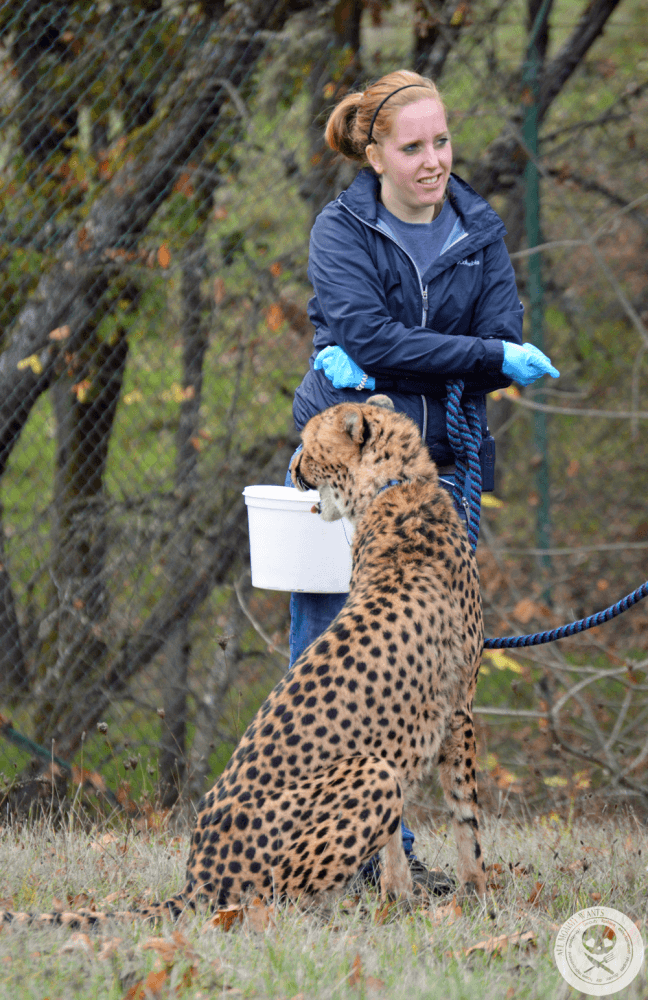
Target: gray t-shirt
(423, 241)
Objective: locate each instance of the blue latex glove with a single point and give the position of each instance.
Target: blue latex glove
(342, 371)
(525, 364)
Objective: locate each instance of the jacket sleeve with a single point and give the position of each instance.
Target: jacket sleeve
(352, 304)
(498, 311)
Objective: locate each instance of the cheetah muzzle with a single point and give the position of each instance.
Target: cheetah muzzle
(317, 783)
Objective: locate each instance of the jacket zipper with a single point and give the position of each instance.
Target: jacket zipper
(422, 287)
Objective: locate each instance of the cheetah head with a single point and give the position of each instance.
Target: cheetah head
(351, 451)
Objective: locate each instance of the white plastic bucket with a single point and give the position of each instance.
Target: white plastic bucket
(291, 548)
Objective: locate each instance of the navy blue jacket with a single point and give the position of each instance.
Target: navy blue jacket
(411, 331)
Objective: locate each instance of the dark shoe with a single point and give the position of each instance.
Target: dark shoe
(433, 880)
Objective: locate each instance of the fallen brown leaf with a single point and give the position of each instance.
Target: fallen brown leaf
(109, 948)
(112, 897)
(355, 976)
(167, 950)
(188, 977)
(576, 866)
(533, 898)
(225, 919)
(384, 910)
(81, 899)
(148, 988)
(526, 609)
(103, 842)
(77, 942)
(60, 333)
(446, 914)
(358, 978)
(501, 941)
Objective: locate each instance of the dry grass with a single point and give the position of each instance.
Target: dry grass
(542, 873)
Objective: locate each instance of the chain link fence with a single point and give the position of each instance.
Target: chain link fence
(160, 167)
(153, 270)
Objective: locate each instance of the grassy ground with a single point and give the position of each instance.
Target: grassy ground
(541, 874)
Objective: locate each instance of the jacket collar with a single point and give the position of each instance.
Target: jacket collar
(477, 217)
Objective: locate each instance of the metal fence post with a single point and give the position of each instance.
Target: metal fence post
(530, 91)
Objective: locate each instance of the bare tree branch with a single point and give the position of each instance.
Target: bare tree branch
(606, 414)
(572, 550)
(71, 292)
(272, 646)
(504, 160)
(589, 26)
(230, 549)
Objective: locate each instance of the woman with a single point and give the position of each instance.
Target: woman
(413, 286)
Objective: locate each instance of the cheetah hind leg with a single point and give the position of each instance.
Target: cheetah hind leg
(457, 775)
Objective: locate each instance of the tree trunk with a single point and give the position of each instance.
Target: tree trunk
(71, 291)
(195, 331)
(503, 162)
(209, 701)
(13, 670)
(437, 28)
(227, 552)
(72, 650)
(36, 34)
(331, 76)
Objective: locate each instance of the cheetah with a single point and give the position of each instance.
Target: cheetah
(318, 781)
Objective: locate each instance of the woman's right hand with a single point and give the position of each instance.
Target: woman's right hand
(341, 370)
(527, 363)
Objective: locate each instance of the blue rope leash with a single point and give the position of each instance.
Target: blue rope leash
(513, 641)
(465, 436)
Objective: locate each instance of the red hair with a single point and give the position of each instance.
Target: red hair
(347, 129)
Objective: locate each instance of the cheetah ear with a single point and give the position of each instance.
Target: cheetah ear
(382, 401)
(357, 427)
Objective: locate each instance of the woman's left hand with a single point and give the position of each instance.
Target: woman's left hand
(526, 363)
(341, 370)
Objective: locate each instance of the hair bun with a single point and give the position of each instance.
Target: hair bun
(340, 127)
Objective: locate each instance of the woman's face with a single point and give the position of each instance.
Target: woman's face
(414, 161)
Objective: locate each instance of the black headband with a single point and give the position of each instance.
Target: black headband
(384, 101)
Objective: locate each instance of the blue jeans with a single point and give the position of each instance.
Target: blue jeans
(311, 614)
